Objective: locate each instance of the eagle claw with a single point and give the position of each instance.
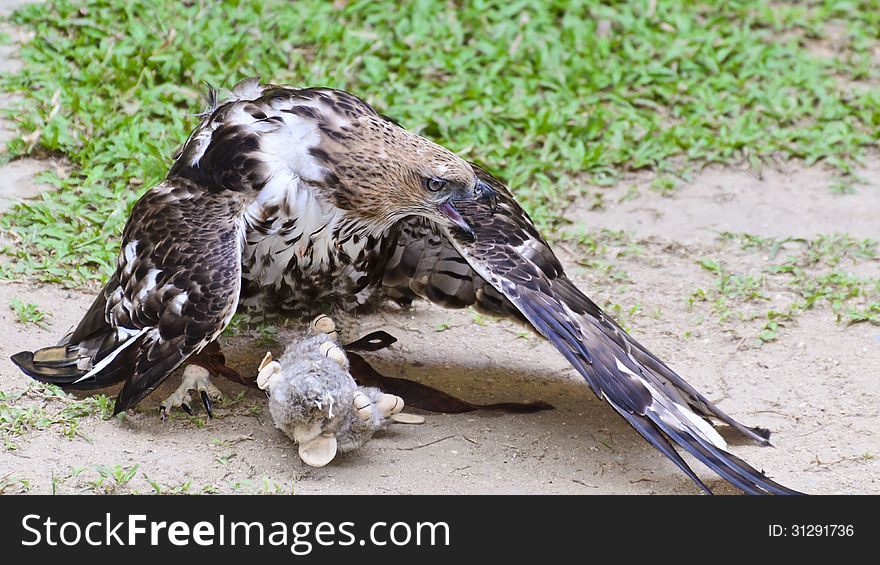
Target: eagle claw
(195, 378)
(206, 402)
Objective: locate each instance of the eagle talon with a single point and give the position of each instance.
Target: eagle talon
(206, 402)
(195, 378)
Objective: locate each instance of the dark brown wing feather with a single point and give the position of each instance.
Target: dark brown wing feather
(509, 256)
(174, 290)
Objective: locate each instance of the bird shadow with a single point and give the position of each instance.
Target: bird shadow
(577, 412)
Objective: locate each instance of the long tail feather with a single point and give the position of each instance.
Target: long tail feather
(76, 371)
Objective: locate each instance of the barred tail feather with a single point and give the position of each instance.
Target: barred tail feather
(67, 366)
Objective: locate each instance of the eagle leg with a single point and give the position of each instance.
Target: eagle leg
(195, 377)
(200, 367)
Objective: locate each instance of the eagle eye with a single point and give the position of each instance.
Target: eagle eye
(435, 185)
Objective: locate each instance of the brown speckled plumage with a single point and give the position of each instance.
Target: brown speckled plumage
(310, 199)
(175, 288)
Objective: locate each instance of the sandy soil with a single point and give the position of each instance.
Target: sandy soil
(815, 387)
(17, 178)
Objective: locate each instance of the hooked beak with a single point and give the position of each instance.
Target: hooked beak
(481, 192)
(449, 210)
(485, 193)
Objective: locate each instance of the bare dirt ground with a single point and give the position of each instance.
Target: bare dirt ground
(816, 386)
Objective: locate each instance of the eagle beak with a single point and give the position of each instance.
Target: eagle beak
(486, 193)
(481, 192)
(449, 210)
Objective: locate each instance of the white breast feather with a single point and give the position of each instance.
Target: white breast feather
(286, 149)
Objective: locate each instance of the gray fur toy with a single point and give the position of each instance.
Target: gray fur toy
(315, 401)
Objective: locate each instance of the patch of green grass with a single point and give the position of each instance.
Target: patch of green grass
(597, 251)
(480, 319)
(775, 320)
(802, 274)
(827, 249)
(57, 482)
(267, 335)
(28, 313)
(198, 422)
(868, 313)
(623, 316)
(664, 185)
(111, 479)
(225, 458)
(264, 329)
(831, 250)
(117, 479)
(43, 407)
(631, 194)
(10, 484)
(254, 410)
(180, 488)
(521, 333)
(549, 95)
(750, 242)
(729, 288)
(598, 243)
(155, 485)
(271, 487)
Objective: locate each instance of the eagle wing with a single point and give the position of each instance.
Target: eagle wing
(510, 270)
(175, 289)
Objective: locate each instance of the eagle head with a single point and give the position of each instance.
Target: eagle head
(380, 172)
(364, 163)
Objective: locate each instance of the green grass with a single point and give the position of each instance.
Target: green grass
(729, 288)
(551, 95)
(800, 275)
(10, 484)
(263, 327)
(45, 407)
(112, 478)
(597, 251)
(158, 488)
(28, 313)
(131, 479)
